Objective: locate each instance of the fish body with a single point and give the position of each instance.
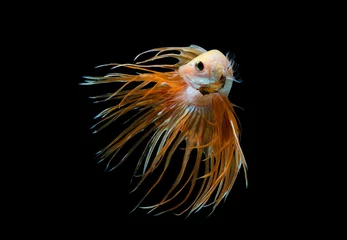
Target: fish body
(185, 102)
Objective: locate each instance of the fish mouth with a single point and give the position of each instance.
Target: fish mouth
(205, 89)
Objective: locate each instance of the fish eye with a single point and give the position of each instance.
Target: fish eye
(199, 65)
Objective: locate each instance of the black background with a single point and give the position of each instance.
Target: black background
(93, 194)
(72, 189)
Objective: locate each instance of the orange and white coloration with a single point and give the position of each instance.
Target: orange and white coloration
(187, 102)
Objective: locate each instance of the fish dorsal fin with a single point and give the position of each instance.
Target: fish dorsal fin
(185, 55)
(202, 50)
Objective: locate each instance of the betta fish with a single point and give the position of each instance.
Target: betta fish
(187, 103)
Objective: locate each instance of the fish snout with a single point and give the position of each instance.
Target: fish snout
(217, 80)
